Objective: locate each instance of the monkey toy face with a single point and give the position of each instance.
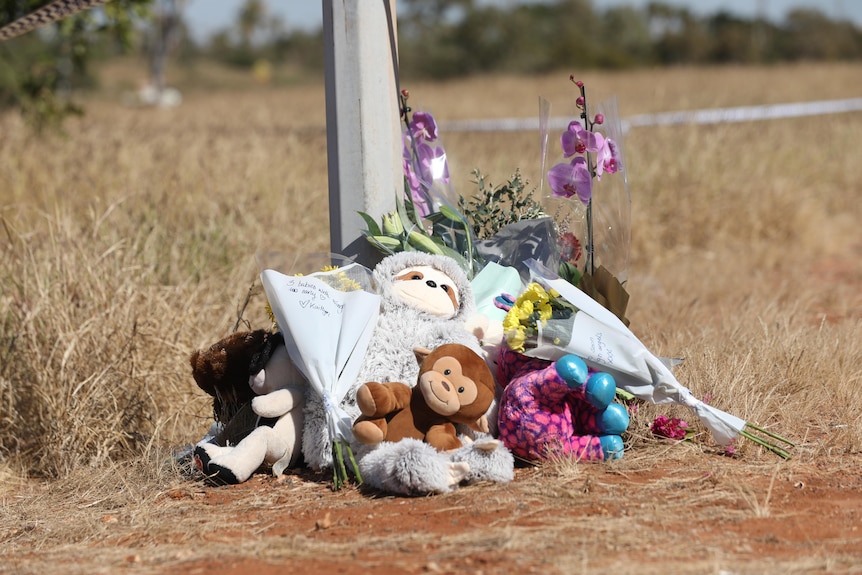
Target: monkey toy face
(429, 290)
(455, 382)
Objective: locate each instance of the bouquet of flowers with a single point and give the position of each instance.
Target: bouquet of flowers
(552, 318)
(425, 218)
(327, 319)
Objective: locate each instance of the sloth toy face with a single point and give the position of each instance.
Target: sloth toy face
(429, 290)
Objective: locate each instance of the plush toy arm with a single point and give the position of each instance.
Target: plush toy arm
(276, 403)
(480, 424)
(380, 399)
(488, 331)
(443, 437)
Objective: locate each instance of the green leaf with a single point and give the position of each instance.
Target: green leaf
(406, 209)
(452, 214)
(385, 244)
(423, 242)
(373, 228)
(570, 273)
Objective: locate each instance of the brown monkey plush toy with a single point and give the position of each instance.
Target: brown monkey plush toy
(454, 386)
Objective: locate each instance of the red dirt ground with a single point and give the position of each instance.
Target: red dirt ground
(712, 514)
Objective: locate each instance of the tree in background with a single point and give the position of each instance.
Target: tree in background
(445, 38)
(810, 35)
(251, 38)
(437, 39)
(164, 37)
(39, 70)
(626, 38)
(260, 41)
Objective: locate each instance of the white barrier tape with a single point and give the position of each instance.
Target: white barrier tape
(714, 116)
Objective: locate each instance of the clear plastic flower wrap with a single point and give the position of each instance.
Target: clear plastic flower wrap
(585, 191)
(426, 217)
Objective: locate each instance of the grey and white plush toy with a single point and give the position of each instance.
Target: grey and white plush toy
(413, 467)
(425, 301)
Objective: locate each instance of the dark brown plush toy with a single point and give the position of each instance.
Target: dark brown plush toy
(223, 370)
(454, 386)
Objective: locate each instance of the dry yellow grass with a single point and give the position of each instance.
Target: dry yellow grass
(129, 242)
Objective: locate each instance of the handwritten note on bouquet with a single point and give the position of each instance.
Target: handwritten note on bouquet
(314, 295)
(308, 297)
(326, 330)
(600, 344)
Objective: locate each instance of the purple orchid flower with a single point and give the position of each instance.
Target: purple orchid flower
(566, 180)
(608, 158)
(423, 127)
(417, 191)
(431, 166)
(578, 140)
(433, 163)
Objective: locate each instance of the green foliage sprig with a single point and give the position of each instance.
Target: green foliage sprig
(40, 72)
(495, 207)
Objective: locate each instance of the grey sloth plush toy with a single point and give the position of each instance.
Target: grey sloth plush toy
(425, 302)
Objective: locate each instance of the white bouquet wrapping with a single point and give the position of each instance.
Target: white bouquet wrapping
(327, 319)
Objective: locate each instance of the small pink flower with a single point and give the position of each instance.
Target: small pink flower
(570, 248)
(607, 159)
(730, 448)
(672, 428)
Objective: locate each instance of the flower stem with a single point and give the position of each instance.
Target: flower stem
(590, 266)
(338, 469)
(770, 434)
(355, 466)
(764, 443)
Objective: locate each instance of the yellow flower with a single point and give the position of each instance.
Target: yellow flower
(345, 283)
(511, 321)
(524, 311)
(532, 306)
(545, 311)
(534, 298)
(515, 339)
(340, 281)
(534, 293)
(271, 315)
